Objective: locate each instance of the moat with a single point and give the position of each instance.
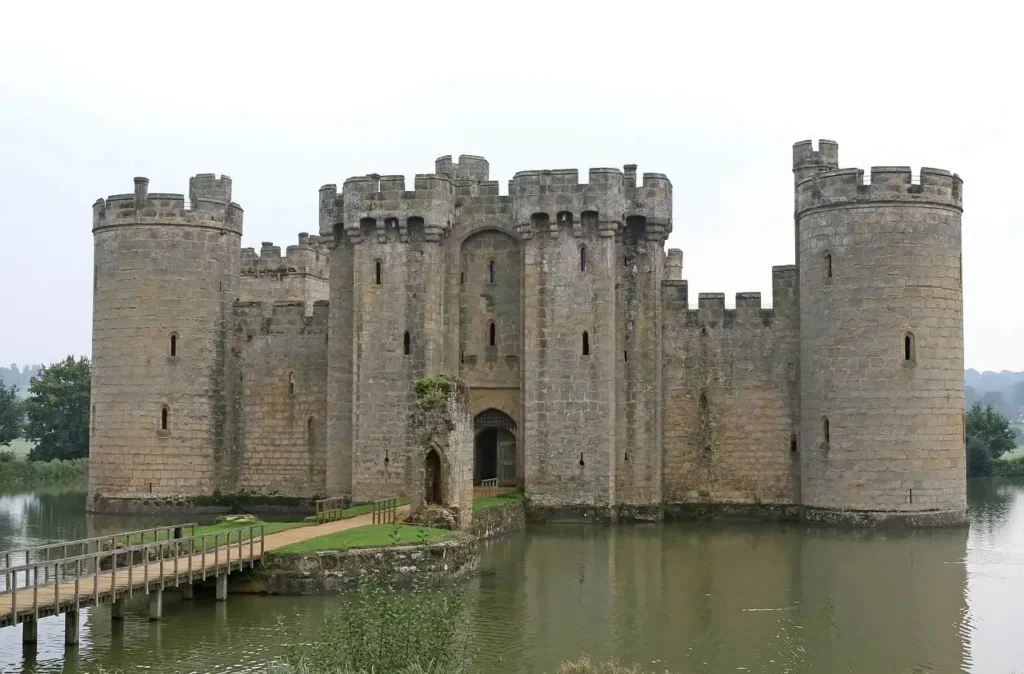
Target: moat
(686, 597)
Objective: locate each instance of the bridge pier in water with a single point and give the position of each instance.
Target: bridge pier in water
(156, 603)
(71, 628)
(186, 591)
(30, 631)
(222, 587)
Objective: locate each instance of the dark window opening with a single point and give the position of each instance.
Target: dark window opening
(908, 348)
(310, 433)
(174, 346)
(625, 356)
(291, 383)
(625, 260)
(825, 435)
(379, 268)
(405, 343)
(490, 272)
(586, 344)
(492, 336)
(828, 265)
(792, 443)
(583, 258)
(163, 418)
(581, 459)
(462, 277)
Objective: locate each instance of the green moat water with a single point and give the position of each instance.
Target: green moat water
(689, 598)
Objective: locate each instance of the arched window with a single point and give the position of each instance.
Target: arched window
(164, 414)
(825, 436)
(490, 272)
(586, 344)
(909, 354)
(405, 343)
(378, 271)
(828, 265)
(492, 334)
(583, 258)
(174, 345)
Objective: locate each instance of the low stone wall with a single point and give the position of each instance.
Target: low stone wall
(201, 505)
(499, 520)
(334, 571)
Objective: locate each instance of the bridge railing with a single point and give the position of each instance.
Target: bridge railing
(489, 487)
(54, 551)
(329, 509)
(385, 511)
(120, 570)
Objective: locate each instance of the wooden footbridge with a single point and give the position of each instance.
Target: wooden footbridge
(47, 580)
(63, 578)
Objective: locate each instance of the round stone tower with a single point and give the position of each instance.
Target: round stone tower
(164, 280)
(881, 341)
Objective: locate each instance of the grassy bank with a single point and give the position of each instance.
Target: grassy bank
(495, 501)
(370, 536)
(44, 473)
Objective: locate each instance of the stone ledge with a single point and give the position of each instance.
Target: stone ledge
(499, 520)
(336, 571)
(886, 518)
(156, 504)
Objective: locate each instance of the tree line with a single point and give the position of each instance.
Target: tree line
(54, 412)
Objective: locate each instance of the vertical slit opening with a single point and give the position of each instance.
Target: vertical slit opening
(586, 344)
(405, 343)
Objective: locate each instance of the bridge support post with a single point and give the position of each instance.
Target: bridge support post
(222, 587)
(186, 591)
(30, 631)
(71, 628)
(156, 603)
(117, 609)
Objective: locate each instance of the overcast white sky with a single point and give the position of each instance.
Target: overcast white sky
(713, 94)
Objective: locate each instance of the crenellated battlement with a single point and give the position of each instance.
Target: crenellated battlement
(374, 204)
(469, 168)
(209, 205)
(544, 200)
(889, 184)
(275, 318)
(309, 257)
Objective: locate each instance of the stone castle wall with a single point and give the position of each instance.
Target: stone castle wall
(281, 358)
(301, 275)
(882, 376)
(621, 396)
(163, 273)
(729, 416)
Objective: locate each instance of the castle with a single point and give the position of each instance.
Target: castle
(593, 381)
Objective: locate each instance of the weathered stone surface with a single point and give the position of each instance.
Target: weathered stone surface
(500, 520)
(330, 572)
(613, 395)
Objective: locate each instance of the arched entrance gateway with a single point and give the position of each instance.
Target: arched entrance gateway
(495, 450)
(432, 477)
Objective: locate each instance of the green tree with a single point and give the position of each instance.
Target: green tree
(989, 436)
(10, 414)
(58, 411)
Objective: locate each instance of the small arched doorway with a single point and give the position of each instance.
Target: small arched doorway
(495, 450)
(432, 477)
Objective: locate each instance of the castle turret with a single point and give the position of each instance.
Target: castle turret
(164, 279)
(386, 311)
(881, 341)
(593, 262)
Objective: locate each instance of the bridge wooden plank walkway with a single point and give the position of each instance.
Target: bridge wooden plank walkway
(66, 584)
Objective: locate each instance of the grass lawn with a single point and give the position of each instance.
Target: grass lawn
(370, 536)
(486, 502)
